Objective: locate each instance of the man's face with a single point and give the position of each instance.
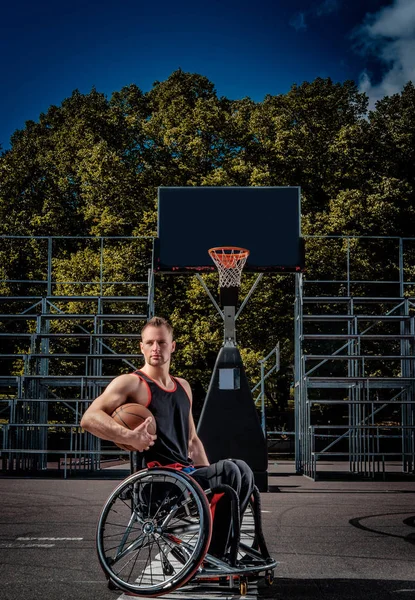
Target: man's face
(157, 345)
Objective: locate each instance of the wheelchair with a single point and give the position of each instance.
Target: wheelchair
(154, 533)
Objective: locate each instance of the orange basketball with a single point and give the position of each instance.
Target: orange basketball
(130, 416)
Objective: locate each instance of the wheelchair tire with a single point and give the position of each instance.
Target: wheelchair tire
(153, 532)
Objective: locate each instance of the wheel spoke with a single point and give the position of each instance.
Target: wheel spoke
(165, 555)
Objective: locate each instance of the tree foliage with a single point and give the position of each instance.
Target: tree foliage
(91, 167)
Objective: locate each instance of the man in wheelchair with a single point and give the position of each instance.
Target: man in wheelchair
(230, 483)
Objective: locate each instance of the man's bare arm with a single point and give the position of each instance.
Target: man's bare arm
(196, 449)
(97, 418)
(197, 453)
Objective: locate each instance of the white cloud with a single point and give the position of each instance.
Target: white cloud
(326, 7)
(390, 35)
(298, 21)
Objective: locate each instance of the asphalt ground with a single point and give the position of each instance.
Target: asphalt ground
(333, 539)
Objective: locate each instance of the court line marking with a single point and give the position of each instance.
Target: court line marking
(203, 590)
(14, 545)
(52, 539)
(194, 591)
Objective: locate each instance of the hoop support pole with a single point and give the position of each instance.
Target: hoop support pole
(229, 328)
(249, 294)
(207, 290)
(216, 305)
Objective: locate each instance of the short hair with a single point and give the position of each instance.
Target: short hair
(158, 322)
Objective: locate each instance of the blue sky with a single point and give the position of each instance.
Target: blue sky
(245, 48)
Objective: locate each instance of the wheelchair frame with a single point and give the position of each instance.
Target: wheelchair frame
(154, 532)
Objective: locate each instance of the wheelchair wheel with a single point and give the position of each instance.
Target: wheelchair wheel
(153, 532)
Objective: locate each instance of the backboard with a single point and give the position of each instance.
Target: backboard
(265, 220)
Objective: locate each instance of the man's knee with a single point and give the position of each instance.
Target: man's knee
(244, 469)
(232, 473)
(220, 472)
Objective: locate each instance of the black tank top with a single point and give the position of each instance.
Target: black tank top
(171, 409)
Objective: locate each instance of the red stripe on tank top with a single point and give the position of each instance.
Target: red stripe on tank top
(160, 386)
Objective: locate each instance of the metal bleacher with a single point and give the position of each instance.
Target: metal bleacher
(61, 342)
(73, 323)
(355, 366)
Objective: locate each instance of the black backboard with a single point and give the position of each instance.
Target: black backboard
(265, 220)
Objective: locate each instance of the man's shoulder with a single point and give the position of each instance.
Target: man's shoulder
(126, 380)
(133, 387)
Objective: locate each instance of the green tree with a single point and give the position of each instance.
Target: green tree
(92, 166)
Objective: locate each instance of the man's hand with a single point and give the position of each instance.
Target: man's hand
(140, 437)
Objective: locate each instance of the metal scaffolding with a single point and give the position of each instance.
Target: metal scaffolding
(63, 338)
(354, 364)
(62, 341)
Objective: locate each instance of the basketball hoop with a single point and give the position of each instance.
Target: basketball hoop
(230, 261)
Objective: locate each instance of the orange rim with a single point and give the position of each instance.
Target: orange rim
(229, 256)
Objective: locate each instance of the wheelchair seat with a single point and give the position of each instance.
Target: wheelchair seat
(155, 531)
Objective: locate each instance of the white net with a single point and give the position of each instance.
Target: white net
(230, 262)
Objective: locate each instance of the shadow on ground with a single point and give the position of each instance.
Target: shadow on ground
(338, 589)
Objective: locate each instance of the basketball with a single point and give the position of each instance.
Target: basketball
(130, 416)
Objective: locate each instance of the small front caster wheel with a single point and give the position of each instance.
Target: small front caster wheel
(243, 587)
(269, 578)
(112, 586)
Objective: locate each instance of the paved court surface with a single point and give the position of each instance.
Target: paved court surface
(334, 539)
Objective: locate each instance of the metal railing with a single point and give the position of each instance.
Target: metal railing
(260, 399)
